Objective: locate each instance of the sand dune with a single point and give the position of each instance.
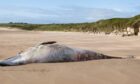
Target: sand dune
(115, 71)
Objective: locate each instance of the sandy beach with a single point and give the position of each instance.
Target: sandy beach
(114, 71)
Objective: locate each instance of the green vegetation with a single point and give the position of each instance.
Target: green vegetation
(103, 25)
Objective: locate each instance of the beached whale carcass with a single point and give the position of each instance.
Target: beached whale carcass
(49, 52)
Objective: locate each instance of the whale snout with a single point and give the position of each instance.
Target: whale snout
(12, 61)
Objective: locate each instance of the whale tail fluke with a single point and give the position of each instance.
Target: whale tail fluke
(130, 57)
(110, 57)
(115, 57)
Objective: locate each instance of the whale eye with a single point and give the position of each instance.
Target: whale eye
(49, 42)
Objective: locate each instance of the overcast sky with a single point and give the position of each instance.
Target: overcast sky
(65, 11)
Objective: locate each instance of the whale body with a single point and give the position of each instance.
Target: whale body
(50, 52)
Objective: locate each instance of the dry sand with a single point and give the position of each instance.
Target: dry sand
(115, 71)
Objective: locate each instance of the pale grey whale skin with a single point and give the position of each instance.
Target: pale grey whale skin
(50, 52)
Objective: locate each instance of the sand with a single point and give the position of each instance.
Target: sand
(114, 71)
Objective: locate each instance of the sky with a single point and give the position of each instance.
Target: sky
(66, 11)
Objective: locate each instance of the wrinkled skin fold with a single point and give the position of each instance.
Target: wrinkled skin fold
(50, 52)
